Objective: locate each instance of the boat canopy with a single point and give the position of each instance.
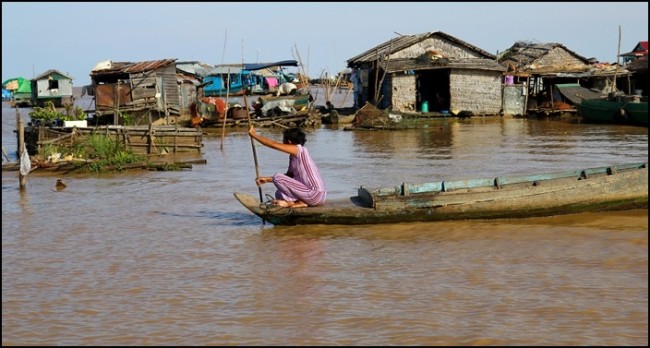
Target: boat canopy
(237, 69)
(224, 70)
(258, 66)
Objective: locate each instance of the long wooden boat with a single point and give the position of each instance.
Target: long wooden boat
(615, 111)
(615, 187)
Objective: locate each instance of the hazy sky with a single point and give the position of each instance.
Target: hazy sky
(73, 37)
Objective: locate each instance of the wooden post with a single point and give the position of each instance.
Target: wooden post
(618, 55)
(116, 111)
(21, 146)
(526, 95)
(165, 105)
(150, 139)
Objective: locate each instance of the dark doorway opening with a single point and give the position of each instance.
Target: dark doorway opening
(433, 88)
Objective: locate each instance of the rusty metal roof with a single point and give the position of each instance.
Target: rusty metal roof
(128, 68)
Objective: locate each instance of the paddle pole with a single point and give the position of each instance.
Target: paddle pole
(257, 167)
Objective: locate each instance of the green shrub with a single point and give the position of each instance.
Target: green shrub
(49, 113)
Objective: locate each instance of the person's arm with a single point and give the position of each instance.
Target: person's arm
(288, 148)
(263, 180)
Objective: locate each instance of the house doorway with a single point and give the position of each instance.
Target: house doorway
(433, 87)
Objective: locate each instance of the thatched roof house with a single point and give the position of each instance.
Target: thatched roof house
(430, 71)
(542, 67)
(527, 58)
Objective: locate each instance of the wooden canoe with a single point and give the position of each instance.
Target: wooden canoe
(613, 187)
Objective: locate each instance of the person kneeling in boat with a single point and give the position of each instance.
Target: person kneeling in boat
(302, 185)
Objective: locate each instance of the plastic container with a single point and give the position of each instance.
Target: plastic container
(425, 106)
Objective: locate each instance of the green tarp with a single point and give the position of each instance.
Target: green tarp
(17, 85)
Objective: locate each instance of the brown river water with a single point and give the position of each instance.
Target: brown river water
(171, 258)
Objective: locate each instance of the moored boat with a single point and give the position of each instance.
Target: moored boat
(617, 110)
(637, 112)
(615, 187)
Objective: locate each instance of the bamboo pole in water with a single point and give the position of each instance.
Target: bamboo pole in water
(225, 110)
(223, 53)
(618, 54)
(21, 147)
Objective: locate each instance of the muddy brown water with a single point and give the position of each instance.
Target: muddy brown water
(171, 258)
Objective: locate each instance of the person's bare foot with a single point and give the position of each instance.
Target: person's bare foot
(281, 203)
(297, 204)
(287, 204)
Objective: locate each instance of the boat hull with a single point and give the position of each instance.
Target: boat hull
(596, 189)
(614, 111)
(638, 113)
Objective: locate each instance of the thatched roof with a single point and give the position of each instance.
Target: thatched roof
(396, 65)
(404, 41)
(639, 65)
(523, 55)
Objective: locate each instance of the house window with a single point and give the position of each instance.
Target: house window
(53, 84)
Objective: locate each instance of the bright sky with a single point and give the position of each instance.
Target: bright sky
(73, 37)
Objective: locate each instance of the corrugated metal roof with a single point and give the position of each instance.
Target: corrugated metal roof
(128, 68)
(148, 65)
(49, 72)
(196, 68)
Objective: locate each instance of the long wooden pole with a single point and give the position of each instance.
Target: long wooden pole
(225, 112)
(257, 167)
(223, 128)
(618, 55)
(22, 179)
(250, 124)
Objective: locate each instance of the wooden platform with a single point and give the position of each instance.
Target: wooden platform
(138, 139)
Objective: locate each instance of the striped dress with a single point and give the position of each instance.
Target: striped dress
(306, 185)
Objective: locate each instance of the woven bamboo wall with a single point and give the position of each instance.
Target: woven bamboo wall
(475, 90)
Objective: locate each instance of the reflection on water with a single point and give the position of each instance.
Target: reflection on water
(151, 258)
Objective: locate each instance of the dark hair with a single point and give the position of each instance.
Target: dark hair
(295, 135)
